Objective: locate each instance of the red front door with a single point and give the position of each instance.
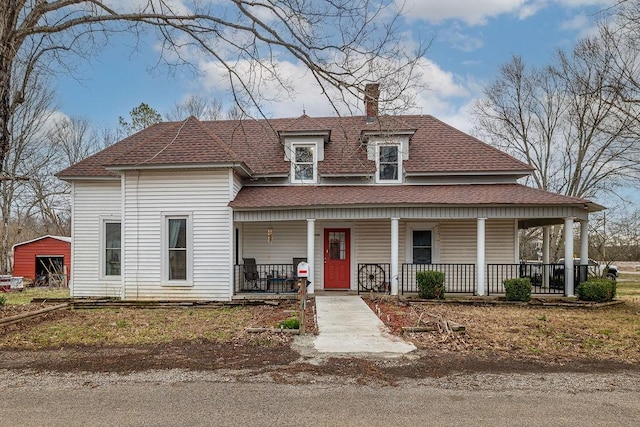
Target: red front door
(337, 259)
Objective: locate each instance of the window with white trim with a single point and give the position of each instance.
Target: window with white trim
(112, 248)
(388, 163)
(421, 247)
(176, 249)
(304, 164)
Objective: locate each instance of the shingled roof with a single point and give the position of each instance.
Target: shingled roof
(305, 196)
(434, 148)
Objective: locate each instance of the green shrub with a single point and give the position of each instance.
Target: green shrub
(597, 290)
(3, 300)
(518, 289)
(430, 284)
(290, 323)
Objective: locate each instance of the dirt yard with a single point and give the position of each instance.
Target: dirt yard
(495, 339)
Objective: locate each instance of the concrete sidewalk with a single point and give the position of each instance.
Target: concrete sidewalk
(347, 325)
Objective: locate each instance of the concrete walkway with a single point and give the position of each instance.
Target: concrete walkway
(347, 325)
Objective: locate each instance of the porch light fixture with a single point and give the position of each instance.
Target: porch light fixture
(270, 234)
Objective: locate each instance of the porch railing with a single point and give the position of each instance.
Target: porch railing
(545, 278)
(267, 278)
(374, 277)
(458, 278)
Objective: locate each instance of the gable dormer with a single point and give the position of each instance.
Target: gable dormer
(388, 149)
(303, 143)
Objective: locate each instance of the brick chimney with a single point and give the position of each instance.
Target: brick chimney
(371, 96)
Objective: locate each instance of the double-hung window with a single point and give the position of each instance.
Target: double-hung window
(177, 249)
(112, 249)
(421, 247)
(388, 163)
(304, 164)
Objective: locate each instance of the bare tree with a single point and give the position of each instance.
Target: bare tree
(342, 43)
(75, 138)
(564, 121)
(31, 154)
(619, 29)
(196, 106)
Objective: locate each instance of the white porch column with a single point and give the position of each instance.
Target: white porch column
(394, 255)
(480, 289)
(568, 257)
(546, 259)
(311, 230)
(584, 249)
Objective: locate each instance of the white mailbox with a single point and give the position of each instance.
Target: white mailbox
(303, 269)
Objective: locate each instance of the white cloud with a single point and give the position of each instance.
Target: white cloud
(448, 97)
(462, 41)
(478, 12)
(580, 24)
(473, 13)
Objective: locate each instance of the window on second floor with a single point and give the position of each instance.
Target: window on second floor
(388, 163)
(304, 164)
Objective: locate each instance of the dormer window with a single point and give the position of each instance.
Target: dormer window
(304, 166)
(388, 163)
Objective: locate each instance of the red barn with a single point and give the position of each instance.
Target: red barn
(43, 259)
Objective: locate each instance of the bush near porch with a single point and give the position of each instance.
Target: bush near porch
(597, 290)
(430, 284)
(518, 289)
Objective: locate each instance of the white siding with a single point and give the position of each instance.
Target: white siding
(372, 241)
(454, 243)
(458, 242)
(289, 241)
(237, 185)
(372, 244)
(204, 196)
(500, 242)
(93, 202)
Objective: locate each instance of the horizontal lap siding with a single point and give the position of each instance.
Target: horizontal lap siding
(371, 243)
(500, 242)
(458, 242)
(92, 202)
(204, 195)
(289, 241)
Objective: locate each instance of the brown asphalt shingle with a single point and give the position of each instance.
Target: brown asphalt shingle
(434, 148)
(396, 195)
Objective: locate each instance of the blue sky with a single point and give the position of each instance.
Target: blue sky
(471, 40)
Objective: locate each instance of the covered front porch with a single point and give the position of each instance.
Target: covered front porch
(359, 250)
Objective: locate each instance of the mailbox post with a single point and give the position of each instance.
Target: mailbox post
(303, 274)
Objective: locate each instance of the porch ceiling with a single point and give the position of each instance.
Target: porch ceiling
(322, 196)
(539, 222)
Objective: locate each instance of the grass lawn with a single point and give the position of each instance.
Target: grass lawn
(628, 287)
(27, 294)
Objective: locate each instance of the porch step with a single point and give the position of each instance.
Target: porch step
(347, 325)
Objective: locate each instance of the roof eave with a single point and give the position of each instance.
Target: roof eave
(238, 166)
(325, 134)
(89, 178)
(394, 205)
(515, 173)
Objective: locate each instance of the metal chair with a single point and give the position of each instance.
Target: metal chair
(252, 278)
